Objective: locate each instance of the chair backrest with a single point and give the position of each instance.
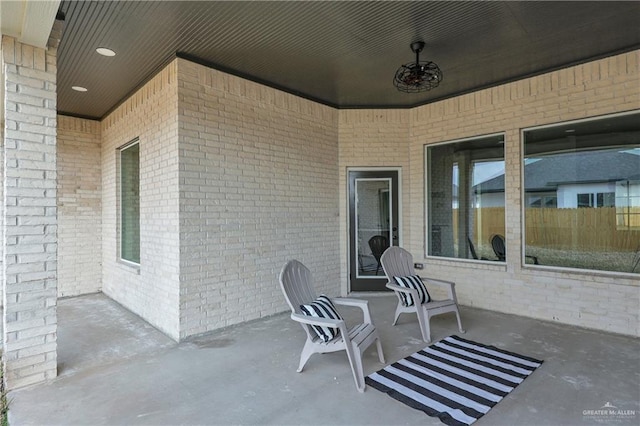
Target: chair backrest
(397, 262)
(497, 243)
(296, 285)
(378, 244)
(472, 248)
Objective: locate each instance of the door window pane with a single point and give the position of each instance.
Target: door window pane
(592, 169)
(130, 203)
(465, 197)
(373, 224)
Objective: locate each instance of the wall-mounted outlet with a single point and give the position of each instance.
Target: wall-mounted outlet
(418, 265)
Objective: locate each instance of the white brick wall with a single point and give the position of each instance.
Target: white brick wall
(79, 207)
(236, 178)
(152, 291)
(595, 300)
(258, 186)
(371, 138)
(29, 222)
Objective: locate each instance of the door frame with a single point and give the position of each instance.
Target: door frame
(348, 215)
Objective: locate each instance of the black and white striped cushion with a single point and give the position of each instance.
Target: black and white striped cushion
(322, 307)
(414, 282)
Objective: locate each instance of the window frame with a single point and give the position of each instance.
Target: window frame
(427, 190)
(523, 195)
(119, 203)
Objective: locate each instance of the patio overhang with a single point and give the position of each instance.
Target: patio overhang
(28, 21)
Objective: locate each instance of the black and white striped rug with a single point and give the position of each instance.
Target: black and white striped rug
(456, 380)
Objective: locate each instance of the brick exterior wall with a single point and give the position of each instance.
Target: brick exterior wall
(371, 139)
(258, 186)
(79, 207)
(29, 216)
(596, 300)
(236, 178)
(152, 290)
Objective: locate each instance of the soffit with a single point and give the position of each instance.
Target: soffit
(340, 53)
(28, 21)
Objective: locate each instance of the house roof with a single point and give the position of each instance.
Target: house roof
(546, 173)
(340, 53)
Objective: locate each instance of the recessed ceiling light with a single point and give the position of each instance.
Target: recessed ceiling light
(105, 52)
(79, 88)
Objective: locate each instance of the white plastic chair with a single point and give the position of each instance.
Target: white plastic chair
(296, 284)
(397, 262)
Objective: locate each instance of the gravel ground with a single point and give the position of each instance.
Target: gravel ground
(604, 261)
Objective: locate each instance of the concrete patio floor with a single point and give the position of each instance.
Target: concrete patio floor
(116, 369)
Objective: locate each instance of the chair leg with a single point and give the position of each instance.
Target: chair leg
(426, 332)
(423, 320)
(379, 350)
(395, 320)
(307, 351)
(459, 322)
(355, 360)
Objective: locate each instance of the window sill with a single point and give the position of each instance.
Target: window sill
(580, 273)
(469, 263)
(129, 266)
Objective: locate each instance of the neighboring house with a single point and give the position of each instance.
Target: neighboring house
(571, 180)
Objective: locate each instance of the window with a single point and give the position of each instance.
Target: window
(543, 201)
(465, 197)
(597, 199)
(627, 200)
(606, 199)
(592, 169)
(130, 202)
(585, 200)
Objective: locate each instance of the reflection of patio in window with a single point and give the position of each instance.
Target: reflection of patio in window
(592, 169)
(462, 209)
(373, 220)
(628, 204)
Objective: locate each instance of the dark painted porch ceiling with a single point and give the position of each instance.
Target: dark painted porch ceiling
(340, 53)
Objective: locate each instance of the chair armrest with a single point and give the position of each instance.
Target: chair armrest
(357, 303)
(395, 287)
(323, 322)
(450, 286)
(347, 301)
(442, 283)
(534, 258)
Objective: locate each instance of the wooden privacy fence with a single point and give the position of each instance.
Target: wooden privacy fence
(603, 228)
